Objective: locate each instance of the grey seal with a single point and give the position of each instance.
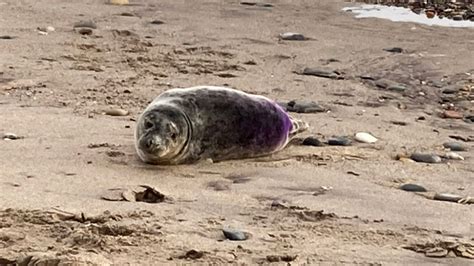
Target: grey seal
(186, 125)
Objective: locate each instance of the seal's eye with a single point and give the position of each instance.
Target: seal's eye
(148, 125)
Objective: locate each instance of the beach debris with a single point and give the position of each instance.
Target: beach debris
(412, 188)
(10, 136)
(321, 72)
(425, 158)
(235, 235)
(441, 249)
(455, 146)
(292, 36)
(118, 2)
(116, 112)
(365, 137)
(143, 193)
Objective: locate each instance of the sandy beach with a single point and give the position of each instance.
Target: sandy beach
(305, 205)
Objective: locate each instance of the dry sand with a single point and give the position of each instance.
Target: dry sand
(54, 88)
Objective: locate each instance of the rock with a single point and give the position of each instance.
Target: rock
(84, 31)
(85, 24)
(116, 112)
(412, 188)
(235, 235)
(339, 141)
(394, 50)
(457, 17)
(397, 88)
(453, 156)
(450, 114)
(10, 136)
(322, 73)
(430, 13)
(292, 36)
(299, 106)
(157, 22)
(50, 29)
(390, 85)
(365, 137)
(312, 141)
(425, 158)
(455, 146)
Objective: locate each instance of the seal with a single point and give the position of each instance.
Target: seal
(185, 125)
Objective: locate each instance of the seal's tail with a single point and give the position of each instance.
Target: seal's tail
(298, 126)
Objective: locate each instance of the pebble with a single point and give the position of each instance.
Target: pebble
(157, 22)
(365, 137)
(312, 141)
(85, 24)
(455, 146)
(234, 235)
(300, 106)
(412, 188)
(252, 3)
(339, 141)
(322, 73)
(116, 112)
(10, 136)
(453, 156)
(450, 114)
(6, 37)
(394, 50)
(292, 36)
(425, 158)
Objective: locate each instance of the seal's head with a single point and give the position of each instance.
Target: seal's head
(162, 135)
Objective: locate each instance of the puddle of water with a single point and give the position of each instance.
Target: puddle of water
(401, 14)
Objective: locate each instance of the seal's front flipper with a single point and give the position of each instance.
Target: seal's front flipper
(298, 126)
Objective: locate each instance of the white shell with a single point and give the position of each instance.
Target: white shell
(453, 156)
(365, 137)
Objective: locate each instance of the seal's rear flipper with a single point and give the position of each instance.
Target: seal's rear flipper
(298, 126)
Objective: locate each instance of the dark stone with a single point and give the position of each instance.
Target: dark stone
(455, 146)
(425, 158)
(394, 50)
(157, 22)
(412, 188)
(339, 141)
(312, 141)
(6, 37)
(234, 235)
